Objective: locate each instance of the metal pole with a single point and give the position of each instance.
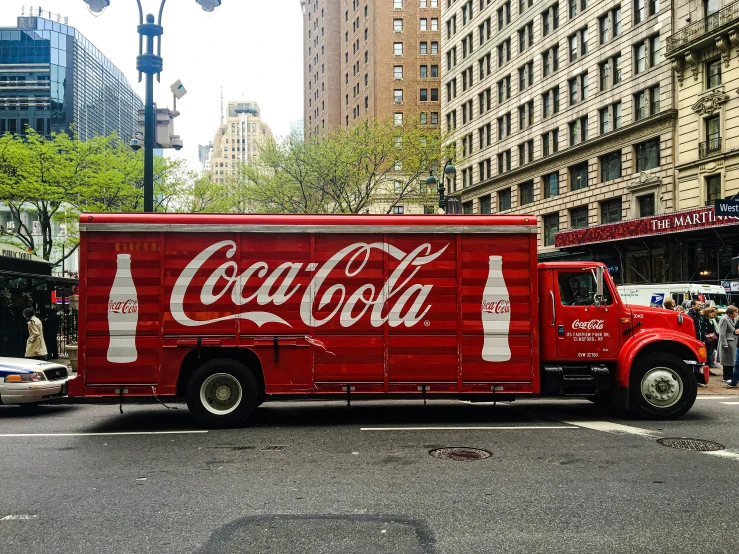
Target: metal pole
(149, 131)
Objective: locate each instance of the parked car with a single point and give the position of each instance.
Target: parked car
(26, 381)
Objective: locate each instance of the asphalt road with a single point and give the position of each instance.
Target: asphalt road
(563, 476)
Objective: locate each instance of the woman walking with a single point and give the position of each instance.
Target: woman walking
(727, 341)
(35, 345)
(711, 336)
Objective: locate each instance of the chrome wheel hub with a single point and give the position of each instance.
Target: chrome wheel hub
(221, 393)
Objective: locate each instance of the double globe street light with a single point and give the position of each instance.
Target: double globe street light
(449, 172)
(149, 64)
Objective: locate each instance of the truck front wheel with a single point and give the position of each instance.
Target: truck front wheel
(222, 393)
(661, 386)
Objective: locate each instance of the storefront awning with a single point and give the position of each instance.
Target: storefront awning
(54, 279)
(693, 219)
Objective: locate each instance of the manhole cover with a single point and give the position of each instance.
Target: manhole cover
(691, 444)
(275, 447)
(460, 453)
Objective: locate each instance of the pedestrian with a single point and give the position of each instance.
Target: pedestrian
(680, 309)
(727, 337)
(700, 330)
(51, 330)
(668, 304)
(35, 345)
(711, 336)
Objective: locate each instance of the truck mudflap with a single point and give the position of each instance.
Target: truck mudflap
(575, 380)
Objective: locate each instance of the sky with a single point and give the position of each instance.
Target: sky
(253, 48)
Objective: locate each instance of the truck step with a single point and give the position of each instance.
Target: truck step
(575, 380)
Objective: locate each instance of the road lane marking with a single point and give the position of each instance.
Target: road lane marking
(480, 428)
(18, 517)
(730, 403)
(101, 434)
(609, 427)
(732, 454)
(710, 397)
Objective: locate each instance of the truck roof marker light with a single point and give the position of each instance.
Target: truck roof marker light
(625, 320)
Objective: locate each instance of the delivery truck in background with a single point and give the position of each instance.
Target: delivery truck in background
(229, 311)
(682, 293)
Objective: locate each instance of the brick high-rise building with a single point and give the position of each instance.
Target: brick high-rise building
(370, 59)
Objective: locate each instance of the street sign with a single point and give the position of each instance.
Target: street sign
(728, 207)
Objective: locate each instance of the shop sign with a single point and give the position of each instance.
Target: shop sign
(728, 207)
(685, 220)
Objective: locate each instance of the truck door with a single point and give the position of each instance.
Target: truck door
(584, 331)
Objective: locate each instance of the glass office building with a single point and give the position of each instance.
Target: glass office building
(52, 79)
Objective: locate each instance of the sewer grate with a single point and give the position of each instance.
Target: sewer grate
(460, 453)
(699, 445)
(275, 448)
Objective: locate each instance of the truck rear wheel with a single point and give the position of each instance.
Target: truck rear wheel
(222, 393)
(661, 386)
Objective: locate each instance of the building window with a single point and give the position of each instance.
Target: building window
(398, 119)
(423, 118)
(467, 207)
(610, 166)
(397, 4)
(434, 118)
(526, 193)
(647, 155)
(423, 48)
(434, 24)
(504, 200)
(398, 25)
(424, 24)
(654, 100)
(398, 96)
(397, 210)
(398, 48)
(610, 211)
(504, 15)
(484, 202)
(551, 185)
(423, 96)
(616, 115)
(579, 217)
(604, 121)
(578, 88)
(551, 228)
(504, 162)
(640, 105)
(578, 176)
(398, 72)
(423, 71)
(713, 73)
(434, 47)
(578, 131)
(654, 54)
(646, 205)
(434, 71)
(640, 57)
(713, 189)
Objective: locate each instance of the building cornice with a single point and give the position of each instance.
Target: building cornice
(593, 147)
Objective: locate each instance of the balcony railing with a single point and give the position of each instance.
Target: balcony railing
(707, 25)
(711, 146)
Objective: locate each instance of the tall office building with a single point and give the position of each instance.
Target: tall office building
(562, 109)
(371, 59)
(53, 79)
(297, 128)
(237, 140)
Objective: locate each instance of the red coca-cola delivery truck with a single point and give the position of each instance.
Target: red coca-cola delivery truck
(227, 311)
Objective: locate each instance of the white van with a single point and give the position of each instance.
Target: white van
(654, 295)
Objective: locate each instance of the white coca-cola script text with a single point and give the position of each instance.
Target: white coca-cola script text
(592, 325)
(130, 306)
(397, 301)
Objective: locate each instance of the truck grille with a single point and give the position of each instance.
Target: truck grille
(56, 373)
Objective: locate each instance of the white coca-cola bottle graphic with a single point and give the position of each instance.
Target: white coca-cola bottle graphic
(496, 314)
(123, 314)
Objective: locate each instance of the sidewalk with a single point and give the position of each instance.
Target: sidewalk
(716, 386)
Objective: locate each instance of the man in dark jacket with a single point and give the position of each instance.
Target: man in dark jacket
(51, 331)
(700, 322)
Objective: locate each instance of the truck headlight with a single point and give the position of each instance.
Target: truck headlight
(26, 378)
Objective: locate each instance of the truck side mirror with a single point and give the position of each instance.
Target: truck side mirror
(598, 287)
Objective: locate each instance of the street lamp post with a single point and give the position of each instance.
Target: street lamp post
(431, 181)
(150, 64)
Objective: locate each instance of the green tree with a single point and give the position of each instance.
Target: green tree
(56, 179)
(375, 163)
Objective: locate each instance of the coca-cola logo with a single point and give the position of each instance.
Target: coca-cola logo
(130, 306)
(496, 307)
(398, 301)
(592, 325)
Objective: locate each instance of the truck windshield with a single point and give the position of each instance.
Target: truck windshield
(578, 289)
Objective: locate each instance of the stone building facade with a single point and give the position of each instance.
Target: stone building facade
(562, 109)
(237, 139)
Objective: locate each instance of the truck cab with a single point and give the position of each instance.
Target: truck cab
(594, 345)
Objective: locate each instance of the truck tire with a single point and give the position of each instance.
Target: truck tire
(661, 386)
(222, 393)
